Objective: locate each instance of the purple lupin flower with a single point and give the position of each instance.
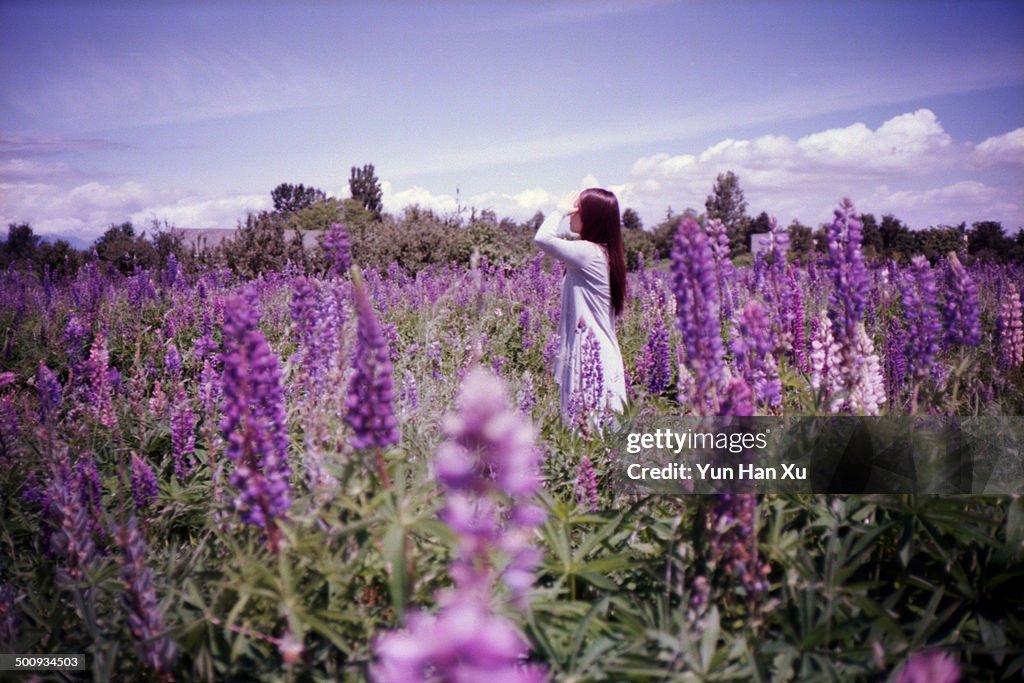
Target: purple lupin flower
(434, 356)
(486, 462)
(587, 403)
(410, 394)
(76, 336)
(183, 435)
(71, 537)
(586, 484)
(254, 424)
(857, 365)
(752, 349)
(154, 648)
(718, 239)
(369, 402)
(1010, 329)
(824, 358)
(895, 358)
(868, 393)
(527, 394)
(794, 313)
(209, 387)
(336, 244)
(50, 391)
(732, 541)
(466, 641)
(929, 667)
(738, 399)
(527, 330)
(850, 279)
(144, 485)
(694, 286)
(961, 312)
(924, 328)
(101, 396)
(657, 356)
(172, 362)
(303, 309)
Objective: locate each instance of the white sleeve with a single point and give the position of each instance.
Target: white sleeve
(574, 253)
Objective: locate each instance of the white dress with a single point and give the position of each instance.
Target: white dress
(586, 295)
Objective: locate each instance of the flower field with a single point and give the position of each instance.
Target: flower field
(364, 475)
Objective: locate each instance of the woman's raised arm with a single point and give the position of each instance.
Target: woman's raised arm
(574, 254)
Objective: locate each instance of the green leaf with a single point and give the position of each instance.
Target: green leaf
(393, 550)
(581, 629)
(709, 639)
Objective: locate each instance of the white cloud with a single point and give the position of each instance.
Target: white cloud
(32, 169)
(394, 202)
(88, 209)
(1002, 149)
(901, 144)
(964, 201)
(192, 212)
(804, 178)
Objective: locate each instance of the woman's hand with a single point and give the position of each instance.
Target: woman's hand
(567, 205)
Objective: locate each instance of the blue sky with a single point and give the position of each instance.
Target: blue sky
(192, 112)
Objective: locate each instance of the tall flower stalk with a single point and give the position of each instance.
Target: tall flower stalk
(336, 244)
(487, 468)
(154, 648)
(587, 405)
(369, 403)
(924, 328)
(752, 349)
(961, 313)
(857, 362)
(695, 288)
(254, 424)
(1011, 328)
(101, 392)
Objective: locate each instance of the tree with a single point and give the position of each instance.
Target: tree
(631, 220)
(21, 243)
(365, 187)
(988, 241)
(534, 222)
(290, 198)
(871, 236)
(726, 203)
(168, 241)
(62, 259)
(258, 246)
(317, 217)
(120, 246)
(801, 241)
(894, 234)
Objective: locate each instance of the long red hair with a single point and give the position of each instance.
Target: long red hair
(602, 224)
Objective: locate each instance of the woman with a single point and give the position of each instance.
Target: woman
(593, 294)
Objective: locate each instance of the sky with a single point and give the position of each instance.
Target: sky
(192, 112)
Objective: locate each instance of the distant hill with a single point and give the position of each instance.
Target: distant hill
(76, 242)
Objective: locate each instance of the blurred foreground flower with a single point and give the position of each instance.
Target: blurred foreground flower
(487, 466)
(929, 667)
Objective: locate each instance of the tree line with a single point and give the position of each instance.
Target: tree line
(417, 237)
